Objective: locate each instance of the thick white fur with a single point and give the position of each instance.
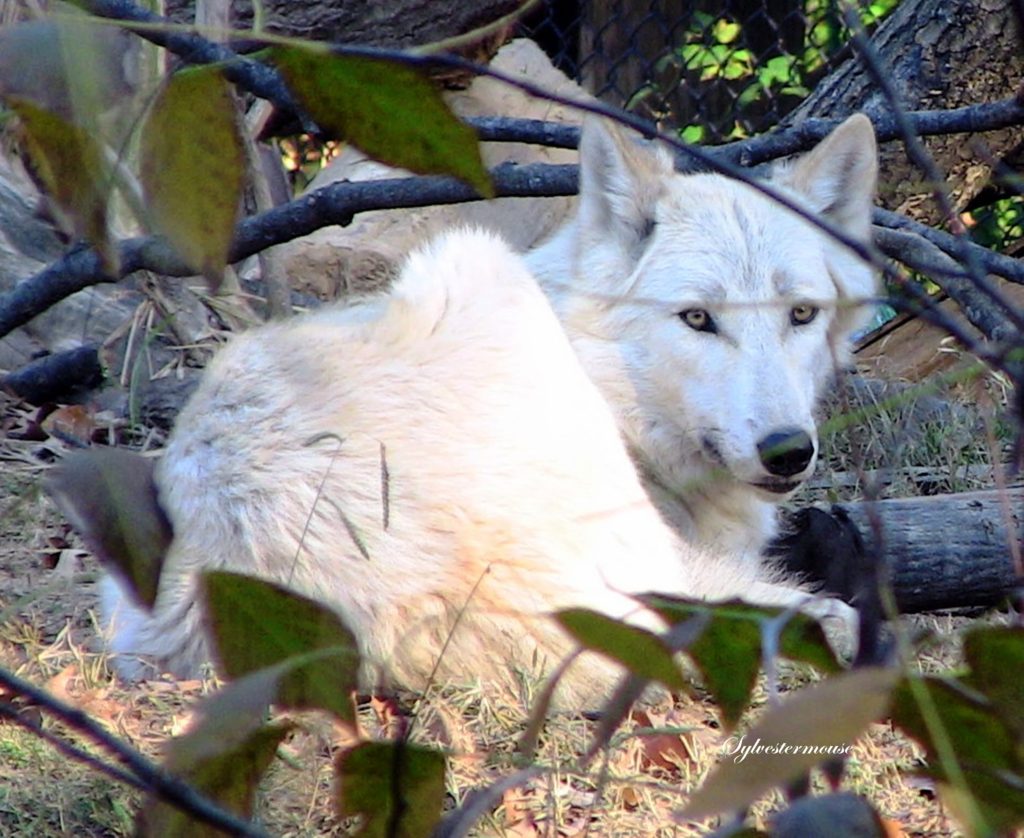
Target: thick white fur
(648, 243)
(510, 493)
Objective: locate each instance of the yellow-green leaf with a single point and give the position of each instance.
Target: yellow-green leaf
(642, 652)
(256, 624)
(227, 775)
(192, 157)
(110, 497)
(72, 168)
(386, 109)
(397, 787)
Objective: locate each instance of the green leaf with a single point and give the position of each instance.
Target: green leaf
(728, 652)
(192, 168)
(995, 655)
(71, 165)
(229, 776)
(967, 739)
(966, 718)
(725, 31)
(642, 652)
(814, 725)
(110, 497)
(223, 756)
(692, 134)
(398, 788)
(386, 109)
(256, 624)
(737, 67)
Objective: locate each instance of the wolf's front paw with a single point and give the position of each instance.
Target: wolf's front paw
(840, 621)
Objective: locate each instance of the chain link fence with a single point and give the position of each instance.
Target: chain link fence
(714, 70)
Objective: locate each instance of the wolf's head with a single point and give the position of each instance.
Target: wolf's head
(710, 315)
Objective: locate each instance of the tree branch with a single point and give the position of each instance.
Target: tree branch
(972, 119)
(168, 788)
(254, 76)
(993, 262)
(970, 294)
(920, 254)
(337, 203)
(10, 713)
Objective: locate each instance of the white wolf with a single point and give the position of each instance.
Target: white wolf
(510, 493)
(711, 319)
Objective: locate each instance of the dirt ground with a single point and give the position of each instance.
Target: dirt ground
(48, 636)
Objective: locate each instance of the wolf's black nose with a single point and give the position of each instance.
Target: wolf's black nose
(786, 452)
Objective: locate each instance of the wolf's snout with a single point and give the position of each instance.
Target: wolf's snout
(786, 452)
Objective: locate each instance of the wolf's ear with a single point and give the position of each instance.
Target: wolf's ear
(839, 175)
(621, 179)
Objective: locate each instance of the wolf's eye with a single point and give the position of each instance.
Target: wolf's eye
(802, 314)
(699, 320)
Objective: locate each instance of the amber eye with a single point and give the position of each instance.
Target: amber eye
(699, 320)
(802, 314)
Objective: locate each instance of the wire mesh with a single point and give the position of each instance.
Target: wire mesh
(714, 70)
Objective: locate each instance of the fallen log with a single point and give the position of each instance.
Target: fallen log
(56, 377)
(946, 551)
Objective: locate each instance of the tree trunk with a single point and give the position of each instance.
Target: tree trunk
(396, 23)
(939, 54)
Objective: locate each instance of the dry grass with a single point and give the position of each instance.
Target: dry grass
(635, 788)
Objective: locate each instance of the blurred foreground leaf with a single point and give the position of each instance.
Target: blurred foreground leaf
(192, 168)
(110, 497)
(386, 109)
(814, 725)
(728, 652)
(397, 787)
(70, 163)
(226, 774)
(257, 625)
(642, 652)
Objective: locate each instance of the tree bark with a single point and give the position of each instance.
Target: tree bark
(395, 24)
(940, 53)
(946, 551)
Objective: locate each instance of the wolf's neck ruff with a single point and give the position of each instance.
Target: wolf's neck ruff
(712, 318)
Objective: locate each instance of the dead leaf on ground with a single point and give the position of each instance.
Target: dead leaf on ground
(516, 803)
(74, 423)
(673, 751)
(66, 686)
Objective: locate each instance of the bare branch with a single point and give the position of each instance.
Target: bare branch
(334, 204)
(993, 262)
(972, 119)
(921, 255)
(168, 788)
